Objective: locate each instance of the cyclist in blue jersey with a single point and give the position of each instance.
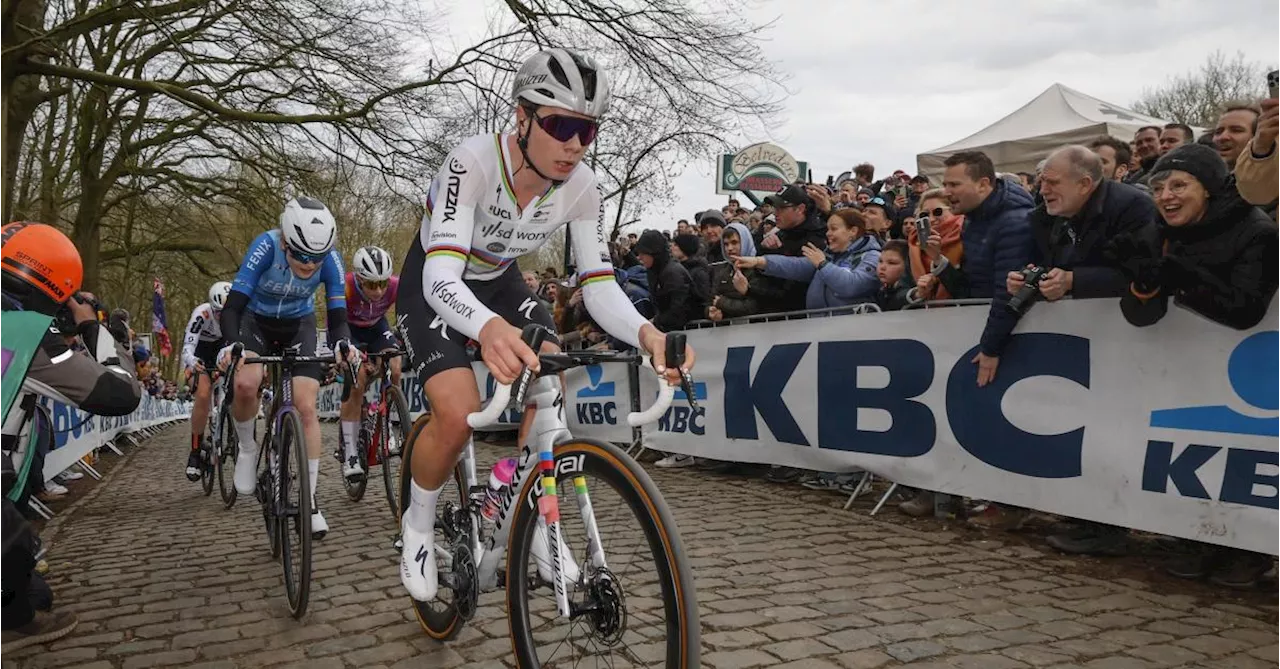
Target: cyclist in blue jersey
(271, 307)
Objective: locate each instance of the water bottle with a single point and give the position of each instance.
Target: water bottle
(499, 479)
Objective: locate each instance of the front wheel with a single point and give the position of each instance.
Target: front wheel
(226, 450)
(639, 606)
(393, 435)
(292, 509)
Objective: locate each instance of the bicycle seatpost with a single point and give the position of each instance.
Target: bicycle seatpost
(534, 336)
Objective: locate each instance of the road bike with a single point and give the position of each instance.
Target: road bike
(284, 485)
(384, 427)
(602, 604)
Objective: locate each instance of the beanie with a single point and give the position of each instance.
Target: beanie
(1199, 161)
(688, 244)
(651, 242)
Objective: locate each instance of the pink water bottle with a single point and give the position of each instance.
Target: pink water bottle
(499, 479)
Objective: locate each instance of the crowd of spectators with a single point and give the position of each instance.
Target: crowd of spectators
(1161, 217)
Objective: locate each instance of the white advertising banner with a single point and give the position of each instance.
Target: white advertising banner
(1170, 428)
(77, 432)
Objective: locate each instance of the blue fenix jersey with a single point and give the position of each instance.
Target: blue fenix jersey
(273, 289)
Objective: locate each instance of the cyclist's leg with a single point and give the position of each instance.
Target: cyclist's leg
(244, 406)
(199, 418)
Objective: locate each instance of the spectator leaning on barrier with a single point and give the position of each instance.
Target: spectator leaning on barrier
(688, 250)
(669, 283)
(1257, 170)
(1082, 213)
(1216, 255)
(996, 240)
(844, 274)
(1174, 135)
(737, 293)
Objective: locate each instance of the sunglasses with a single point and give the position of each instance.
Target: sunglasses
(937, 212)
(375, 285)
(307, 258)
(564, 128)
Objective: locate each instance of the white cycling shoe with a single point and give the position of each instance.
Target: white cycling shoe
(418, 564)
(352, 469)
(542, 556)
(246, 478)
(319, 527)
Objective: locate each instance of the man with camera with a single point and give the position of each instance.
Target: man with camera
(1082, 212)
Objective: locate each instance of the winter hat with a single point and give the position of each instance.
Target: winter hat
(710, 217)
(651, 242)
(688, 244)
(1199, 161)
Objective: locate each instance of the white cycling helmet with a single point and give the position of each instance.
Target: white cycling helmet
(218, 294)
(307, 226)
(564, 79)
(371, 263)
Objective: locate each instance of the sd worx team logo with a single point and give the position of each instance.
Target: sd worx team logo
(1246, 470)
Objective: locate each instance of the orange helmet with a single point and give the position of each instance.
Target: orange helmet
(41, 257)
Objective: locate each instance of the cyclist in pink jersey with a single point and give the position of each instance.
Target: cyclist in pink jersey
(371, 290)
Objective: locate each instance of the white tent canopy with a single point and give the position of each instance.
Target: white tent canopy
(1058, 116)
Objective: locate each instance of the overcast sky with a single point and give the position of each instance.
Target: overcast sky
(884, 81)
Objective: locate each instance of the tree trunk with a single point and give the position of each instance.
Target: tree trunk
(21, 93)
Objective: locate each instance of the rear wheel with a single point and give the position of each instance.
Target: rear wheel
(441, 618)
(642, 609)
(292, 508)
(393, 435)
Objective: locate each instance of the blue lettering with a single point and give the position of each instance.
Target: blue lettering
(1161, 467)
(1242, 475)
(684, 419)
(597, 413)
(744, 396)
(910, 366)
(978, 421)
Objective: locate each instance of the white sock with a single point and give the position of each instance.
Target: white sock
(313, 468)
(422, 509)
(244, 431)
(350, 432)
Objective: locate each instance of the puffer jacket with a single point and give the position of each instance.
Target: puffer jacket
(1223, 267)
(849, 277)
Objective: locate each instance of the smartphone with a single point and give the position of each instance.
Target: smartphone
(922, 230)
(1273, 83)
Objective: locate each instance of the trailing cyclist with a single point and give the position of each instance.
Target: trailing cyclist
(371, 289)
(271, 308)
(496, 198)
(200, 346)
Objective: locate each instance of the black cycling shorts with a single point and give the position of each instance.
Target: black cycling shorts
(374, 338)
(433, 346)
(207, 353)
(271, 336)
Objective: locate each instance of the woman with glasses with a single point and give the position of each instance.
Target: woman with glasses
(371, 290)
(272, 307)
(941, 240)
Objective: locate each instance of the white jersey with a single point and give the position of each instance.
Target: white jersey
(474, 230)
(203, 327)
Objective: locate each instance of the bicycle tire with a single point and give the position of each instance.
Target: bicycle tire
(293, 453)
(393, 464)
(604, 461)
(355, 489)
(440, 620)
(206, 463)
(228, 449)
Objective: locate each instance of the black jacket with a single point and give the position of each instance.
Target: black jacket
(671, 290)
(699, 286)
(1078, 243)
(760, 289)
(1223, 268)
(812, 231)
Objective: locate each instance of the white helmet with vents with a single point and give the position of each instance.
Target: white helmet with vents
(218, 293)
(564, 79)
(371, 263)
(307, 226)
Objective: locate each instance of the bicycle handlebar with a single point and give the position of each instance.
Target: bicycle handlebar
(502, 396)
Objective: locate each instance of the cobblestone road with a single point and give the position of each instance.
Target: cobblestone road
(163, 577)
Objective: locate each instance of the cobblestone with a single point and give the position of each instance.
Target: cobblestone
(801, 585)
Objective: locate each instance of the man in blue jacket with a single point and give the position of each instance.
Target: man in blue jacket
(996, 241)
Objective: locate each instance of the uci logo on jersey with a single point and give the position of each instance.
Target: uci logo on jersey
(596, 403)
(1219, 438)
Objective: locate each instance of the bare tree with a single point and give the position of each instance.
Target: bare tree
(1197, 97)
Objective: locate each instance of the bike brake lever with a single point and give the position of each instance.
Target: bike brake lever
(686, 384)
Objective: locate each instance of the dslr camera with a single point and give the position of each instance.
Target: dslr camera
(1023, 299)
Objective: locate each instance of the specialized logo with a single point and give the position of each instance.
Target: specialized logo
(421, 558)
(1247, 470)
(526, 308)
(438, 322)
(445, 292)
